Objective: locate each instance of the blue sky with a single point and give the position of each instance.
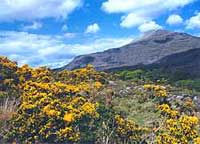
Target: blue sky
(53, 32)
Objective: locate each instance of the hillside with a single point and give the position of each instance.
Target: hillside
(171, 50)
(38, 105)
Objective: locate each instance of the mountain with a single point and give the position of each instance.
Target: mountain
(160, 48)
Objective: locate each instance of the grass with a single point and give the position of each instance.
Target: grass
(8, 108)
(142, 113)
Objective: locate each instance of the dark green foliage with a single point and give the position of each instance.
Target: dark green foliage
(190, 84)
(154, 75)
(177, 78)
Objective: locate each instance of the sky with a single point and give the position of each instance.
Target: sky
(52, 32)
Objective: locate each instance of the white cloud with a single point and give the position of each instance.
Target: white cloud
(193, 22)
(93, 28)
(70, 35)
(145, 9)
(64, 27)
(132, 20)
(36, 9)
(100, 44)
(34, 26)
(174, 19)
(148, 26)
(138, 6)
(39, 50)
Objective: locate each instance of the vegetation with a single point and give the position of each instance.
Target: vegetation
(39, 105)
(189, 83)
(179, 79)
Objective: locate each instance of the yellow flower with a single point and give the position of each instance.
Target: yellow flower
(68, 117)
(159, 91)
(197, 140)
(147, 86)
(89, 108)
(97, 85)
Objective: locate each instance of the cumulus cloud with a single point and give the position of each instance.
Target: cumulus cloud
(132, 20)
(142, 10)
(36, 9)
(148, 26)
(193, 22)
(174, 19)
(93, 28)
(34, 26)
(52, 51)
(142, 7)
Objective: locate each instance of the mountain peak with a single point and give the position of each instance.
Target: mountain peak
(150, 49)
(157, 33)
(162, 34)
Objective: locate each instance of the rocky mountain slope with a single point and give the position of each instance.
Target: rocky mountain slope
(160, 48)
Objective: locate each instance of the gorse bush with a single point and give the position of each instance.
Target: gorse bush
(129, 131)
(52, 111)
(47, 115)
(8, 78)
(67, 107)
(61, 108)
(177, 128)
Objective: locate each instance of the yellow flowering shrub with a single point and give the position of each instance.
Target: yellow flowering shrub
(48, 110)
(41, 74)
(87, 79)
(51, 110)
(128, 130)
(197, 140)
(187, 106)
(6, 63)
(165, 109)
(68, 117)
(8, 78)
(177, 128)
(159, 91)
(60, 107)
(181, 130)
(86, 75)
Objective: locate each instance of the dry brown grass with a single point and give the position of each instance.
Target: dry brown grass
(7, 109)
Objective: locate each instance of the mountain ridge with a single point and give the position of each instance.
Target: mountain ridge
(146, 51)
